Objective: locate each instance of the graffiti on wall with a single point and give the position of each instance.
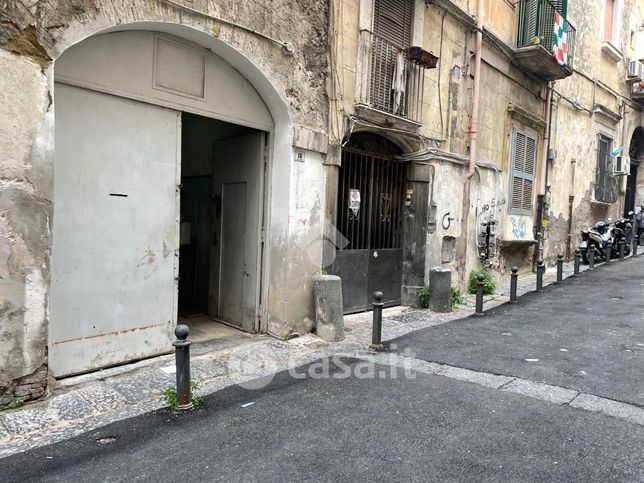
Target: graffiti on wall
(519, 225)
(488, 211)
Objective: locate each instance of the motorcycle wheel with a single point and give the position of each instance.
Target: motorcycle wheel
(584, 257)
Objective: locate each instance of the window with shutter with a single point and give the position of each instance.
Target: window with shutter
(603, 185)
(392, 21)
(537, 20)
(523, 157)
(392, 30)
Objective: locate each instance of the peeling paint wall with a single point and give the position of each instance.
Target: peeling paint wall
(288, 57)
(510, 99)
(596, 99)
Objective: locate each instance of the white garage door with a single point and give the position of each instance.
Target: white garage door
(114, 230)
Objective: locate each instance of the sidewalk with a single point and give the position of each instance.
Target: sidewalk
(80, 404)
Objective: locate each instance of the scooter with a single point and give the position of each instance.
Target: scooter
(597, 237)
(623, 230)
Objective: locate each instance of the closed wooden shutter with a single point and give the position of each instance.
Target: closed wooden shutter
(393, 20)
(524, 151)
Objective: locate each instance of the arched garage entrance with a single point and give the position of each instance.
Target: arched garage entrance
(128, 254)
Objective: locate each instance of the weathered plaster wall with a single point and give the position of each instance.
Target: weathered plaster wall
(33, 34)
(447, 104)
(602, 105)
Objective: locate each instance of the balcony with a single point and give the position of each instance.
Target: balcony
(637, 91)
(545, 40)
(394, 95)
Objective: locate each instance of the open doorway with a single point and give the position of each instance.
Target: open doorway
(220, 227)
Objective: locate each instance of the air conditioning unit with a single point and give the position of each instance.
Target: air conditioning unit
(635, 70)
(621, 165)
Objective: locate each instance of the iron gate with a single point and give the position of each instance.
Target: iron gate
(369, 214)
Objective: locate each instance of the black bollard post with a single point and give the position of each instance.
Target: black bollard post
(540, 270)
(577, 260)
(636, 242)
(591, 257)
(560, 261)
(514, 279)
(635, 245)
(479, 294)
(182, 359)
(609, 251)
(376, 335)
(622, 249)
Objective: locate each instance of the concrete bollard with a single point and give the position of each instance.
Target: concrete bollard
(514, 279)
(440, 289)
(479, 295)
(560, 260)
(577, 262)
(609, 251)
(329, 318)
(540, 269)
(376, 333)
(182, 361)
(622, 249)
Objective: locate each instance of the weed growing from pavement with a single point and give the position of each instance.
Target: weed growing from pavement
(423, 297)
(15, 404)
(171, 400)
(489, 284)
(456, 297)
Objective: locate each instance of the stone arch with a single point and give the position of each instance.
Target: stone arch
(121, 63)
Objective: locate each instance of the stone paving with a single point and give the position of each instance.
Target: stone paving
(88, 402)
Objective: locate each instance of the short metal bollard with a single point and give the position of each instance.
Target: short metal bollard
(622, 249)
(609, 251)
(376, 334)
(540, 269)
(479, 294)
(182, 359)
(560, 260)
(577, 261)
(514, 279)
(591, 257)
(636, 243)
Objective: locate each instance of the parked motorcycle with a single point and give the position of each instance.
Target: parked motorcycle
(597, 237)
(603, 232)
(623, 230)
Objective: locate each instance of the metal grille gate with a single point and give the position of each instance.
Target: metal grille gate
(369, 214)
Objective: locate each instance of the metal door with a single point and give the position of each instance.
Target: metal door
(115, 230)
(369, 214)
(237, 191)
(233, 244)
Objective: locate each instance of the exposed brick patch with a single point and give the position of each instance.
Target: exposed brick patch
(24, 389)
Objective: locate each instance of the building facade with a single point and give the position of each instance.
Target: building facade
(506, 120)
(165, 157)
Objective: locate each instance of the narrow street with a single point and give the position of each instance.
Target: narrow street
(548, 389)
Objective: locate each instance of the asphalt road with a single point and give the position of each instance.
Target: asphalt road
(425, 428)
(586, 334)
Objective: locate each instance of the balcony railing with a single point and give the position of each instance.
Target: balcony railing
(396, 82)
(545, 30)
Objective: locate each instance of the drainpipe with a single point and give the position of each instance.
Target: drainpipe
(477, 88)
(462, 244)
(543, 177)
